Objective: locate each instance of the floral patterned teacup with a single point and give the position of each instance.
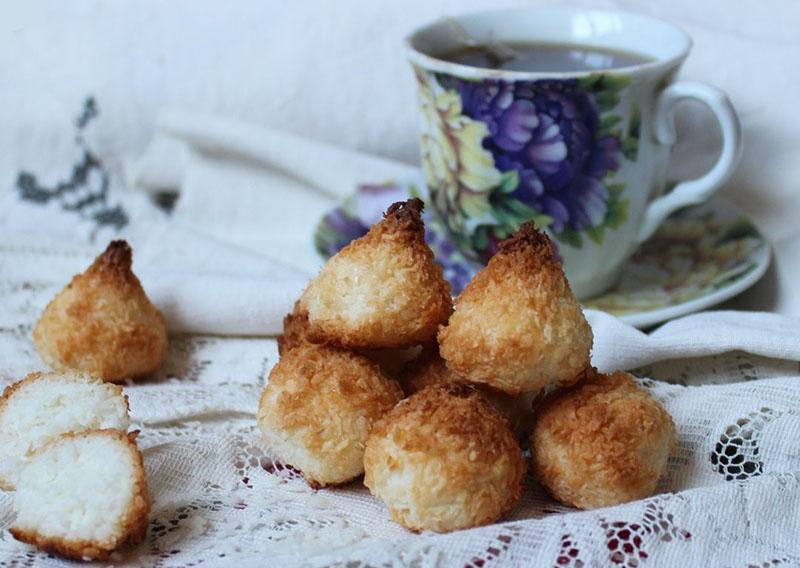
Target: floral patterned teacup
(584, 154)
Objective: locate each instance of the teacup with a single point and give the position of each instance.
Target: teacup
(582, 153)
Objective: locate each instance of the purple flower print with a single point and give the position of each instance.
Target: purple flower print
(547, 132)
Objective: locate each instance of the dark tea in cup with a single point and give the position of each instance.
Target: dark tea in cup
(543, 57)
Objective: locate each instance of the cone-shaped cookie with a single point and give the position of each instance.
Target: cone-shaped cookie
(517, 326)
(382, 290)
(102, 323)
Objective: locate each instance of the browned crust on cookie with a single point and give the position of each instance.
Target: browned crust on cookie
(458, 410)
(116, 260)
(606, 425)
(451, 420)
(405, 216)
(530, 240)
(295, 330)
(517, 327)
(530, 250)
(124, 342)
(9, 391)
(311, 363)
(133, 526)
(396, 247)
(427, 368)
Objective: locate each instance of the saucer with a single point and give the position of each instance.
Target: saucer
(699, 257)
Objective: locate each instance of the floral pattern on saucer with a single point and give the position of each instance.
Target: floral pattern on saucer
(353, 218)
(696, 252)
(699, 256)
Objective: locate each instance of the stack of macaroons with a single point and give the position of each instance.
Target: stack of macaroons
(511, 361)
(383, 291)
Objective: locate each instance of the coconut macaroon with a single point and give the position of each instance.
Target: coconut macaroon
(41, 407)
(83, 495)
(102, 323)
(428, 368)
(318, 408)
(517, 326)
(602, 442)
(382, 290)
(444, 459)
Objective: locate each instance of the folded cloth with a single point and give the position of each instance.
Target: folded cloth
(207, 286)
(619, 346)
(283, 184)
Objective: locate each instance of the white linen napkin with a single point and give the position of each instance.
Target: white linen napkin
(283, 184)
(207, 286)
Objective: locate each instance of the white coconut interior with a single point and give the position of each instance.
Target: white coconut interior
(42, 409)
(77, 489)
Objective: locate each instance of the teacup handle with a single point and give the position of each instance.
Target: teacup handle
(698, 190)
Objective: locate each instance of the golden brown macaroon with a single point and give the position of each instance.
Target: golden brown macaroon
(83, 495)
(318, 408)
(382, 290)
(392, 361)
(444, 459)
(517, 326)
(428, 368)
(602, 442)
(102, 323)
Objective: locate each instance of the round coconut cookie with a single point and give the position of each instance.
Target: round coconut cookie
(444, 459)
(318, 409)
(602, 442)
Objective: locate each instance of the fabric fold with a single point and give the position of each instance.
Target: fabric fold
(620, 346)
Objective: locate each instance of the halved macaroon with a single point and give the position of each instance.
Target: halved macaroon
(43, 406)
(83, 495)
